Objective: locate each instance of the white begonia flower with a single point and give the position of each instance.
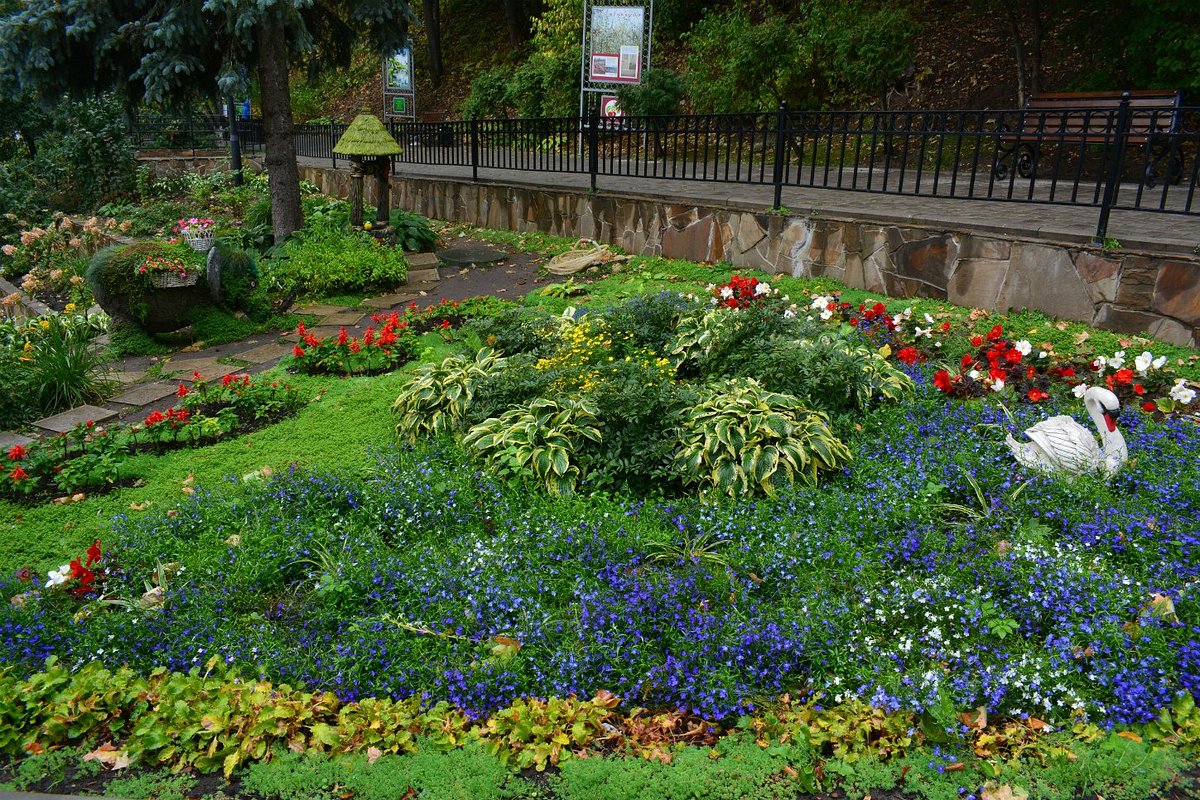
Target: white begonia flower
(1142, 363)
(1181, 393)
(998, 385)
(922, 332)
(928, 319)
(1079, 390)
(726, 292)
(762, 288)
(1118, 360)
(59, 576)
(826, 314)
(820, 301)
(973, 374)
(788, 313)
(1023, 347)
(1101, 362)
(1159, 362)
(1043, 354)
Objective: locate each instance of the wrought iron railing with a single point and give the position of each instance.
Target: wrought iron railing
(1113, 157)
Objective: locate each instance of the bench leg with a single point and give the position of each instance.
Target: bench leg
(1022, 157)
(1163, 161)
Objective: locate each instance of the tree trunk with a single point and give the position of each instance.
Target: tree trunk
(433, 36)
(1035, 55)
(1019, 47)
(283, 177)
(515, 15)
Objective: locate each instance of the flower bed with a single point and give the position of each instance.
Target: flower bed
(91, 458)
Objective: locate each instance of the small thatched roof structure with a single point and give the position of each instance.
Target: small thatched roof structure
(366, 137)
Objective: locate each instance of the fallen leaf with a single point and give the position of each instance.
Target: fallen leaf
(1124, 342)
(1062, 326)
(975, 718)
(234, 541)
(1163, 606)
(1082, 337)
(78, 497)
(373, 754)
(172, 512)
(1131, 736)
(142, 506)
(1004, 792)
(109, 755)
(188, 490)
(1036, 724)
(189, 480)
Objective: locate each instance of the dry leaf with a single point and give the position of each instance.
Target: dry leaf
(1005, 792)
(975, 718)
(373, 754)
(1124, 342)
(1062, 326)
(234, 541)
(1163, 606)
(1080, 338)
(142, 506)
(1131, 736)
(109, 755)
(1036, 724)
(172, 512)
(188, 490)
(189, 480)
(1003, 546)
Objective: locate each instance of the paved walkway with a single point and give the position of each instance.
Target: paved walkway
(1141, 230)
(150, 384)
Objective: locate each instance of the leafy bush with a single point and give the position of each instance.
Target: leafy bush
(649, 320)
(518, 329)
(659, 94)
(412, 231)
(826, 372)
(739, 438)
(736, 65)
(539, 440)
(488, 93)
(436, 401)
(326, 260)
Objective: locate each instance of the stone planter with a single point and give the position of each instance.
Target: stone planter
(157, 310)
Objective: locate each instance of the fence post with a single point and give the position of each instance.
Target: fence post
(781, 124)
(593, 143)
(332, 142)
(1116, 164)
(474, 148)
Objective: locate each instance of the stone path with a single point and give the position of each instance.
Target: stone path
(151, 385)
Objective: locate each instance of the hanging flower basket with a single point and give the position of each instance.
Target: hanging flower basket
(201, 241)
(174, 280)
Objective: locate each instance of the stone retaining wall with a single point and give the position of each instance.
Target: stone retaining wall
(171, 163)
(1120, 290)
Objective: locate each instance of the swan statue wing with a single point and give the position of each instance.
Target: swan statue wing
(1058, 443)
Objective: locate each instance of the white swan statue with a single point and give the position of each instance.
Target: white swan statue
(1060, 444)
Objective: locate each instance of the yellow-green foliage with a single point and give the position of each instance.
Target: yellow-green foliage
(540, 733)
(740, 438)
(436, 400)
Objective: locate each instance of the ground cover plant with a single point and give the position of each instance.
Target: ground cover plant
(923, 579)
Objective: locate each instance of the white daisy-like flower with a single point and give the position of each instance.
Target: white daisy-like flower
(1159, 362)
(1181, 393)
(57, 577)
(726, 292)
(1023, 347)
(762, 288)
(1118, 360)
(1079, 390)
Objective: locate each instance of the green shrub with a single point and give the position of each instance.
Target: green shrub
(659, 94)
(412, 231)
(518, 330)
(436, 401)
(735, 65)
(826, 372)
(326, 260)
(515, 385)
(649, 320)
(488, 92)
(740, 438)
(115, 278)
(239, 276)
(539, 440)
(65, 370)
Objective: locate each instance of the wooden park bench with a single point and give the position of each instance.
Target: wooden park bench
(1091, 118)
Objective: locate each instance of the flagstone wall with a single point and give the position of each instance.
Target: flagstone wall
(1119, 290)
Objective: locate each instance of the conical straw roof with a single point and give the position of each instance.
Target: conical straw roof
(366, 136)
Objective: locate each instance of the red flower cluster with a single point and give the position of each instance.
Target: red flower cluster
(741, 292)
(997, 363)
(174, 416)
(378, 350)
(83, 572)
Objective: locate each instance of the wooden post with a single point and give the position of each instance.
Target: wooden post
(383, 165)
(356, 191)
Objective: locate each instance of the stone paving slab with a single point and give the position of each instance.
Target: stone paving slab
(67, 420)
(320, 310)
(125, 378)
(343, 318)
(208, 368)
(323, 331)
(429, 275)
(420, 260)
(389, 300)
(265, 352)
(145, 393)
(8, 439)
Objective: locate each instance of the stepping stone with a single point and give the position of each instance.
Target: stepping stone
(347, 318)
(464, 256)
(145, 393)
(422, 276)
(67, 420)
(320, 310)
(325, 331)
(265, 352)
(208, 368)
(8, 440)
(389, 301)
(126, 378)
(421, 260)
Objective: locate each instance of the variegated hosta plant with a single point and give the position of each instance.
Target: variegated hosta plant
(538, 439)
(437, 398)
(741, 438)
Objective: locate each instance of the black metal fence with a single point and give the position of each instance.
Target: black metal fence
(1107, 157)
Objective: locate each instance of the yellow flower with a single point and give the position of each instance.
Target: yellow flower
(28, 346)
(45, 324)
(70, 308)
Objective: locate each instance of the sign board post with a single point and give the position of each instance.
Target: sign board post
(616, 50)
(399, 95)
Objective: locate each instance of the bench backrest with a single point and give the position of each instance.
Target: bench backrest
(1090, 116)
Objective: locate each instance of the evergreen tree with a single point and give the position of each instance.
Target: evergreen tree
(172, 52)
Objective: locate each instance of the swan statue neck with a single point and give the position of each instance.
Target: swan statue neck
(1112, 443)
